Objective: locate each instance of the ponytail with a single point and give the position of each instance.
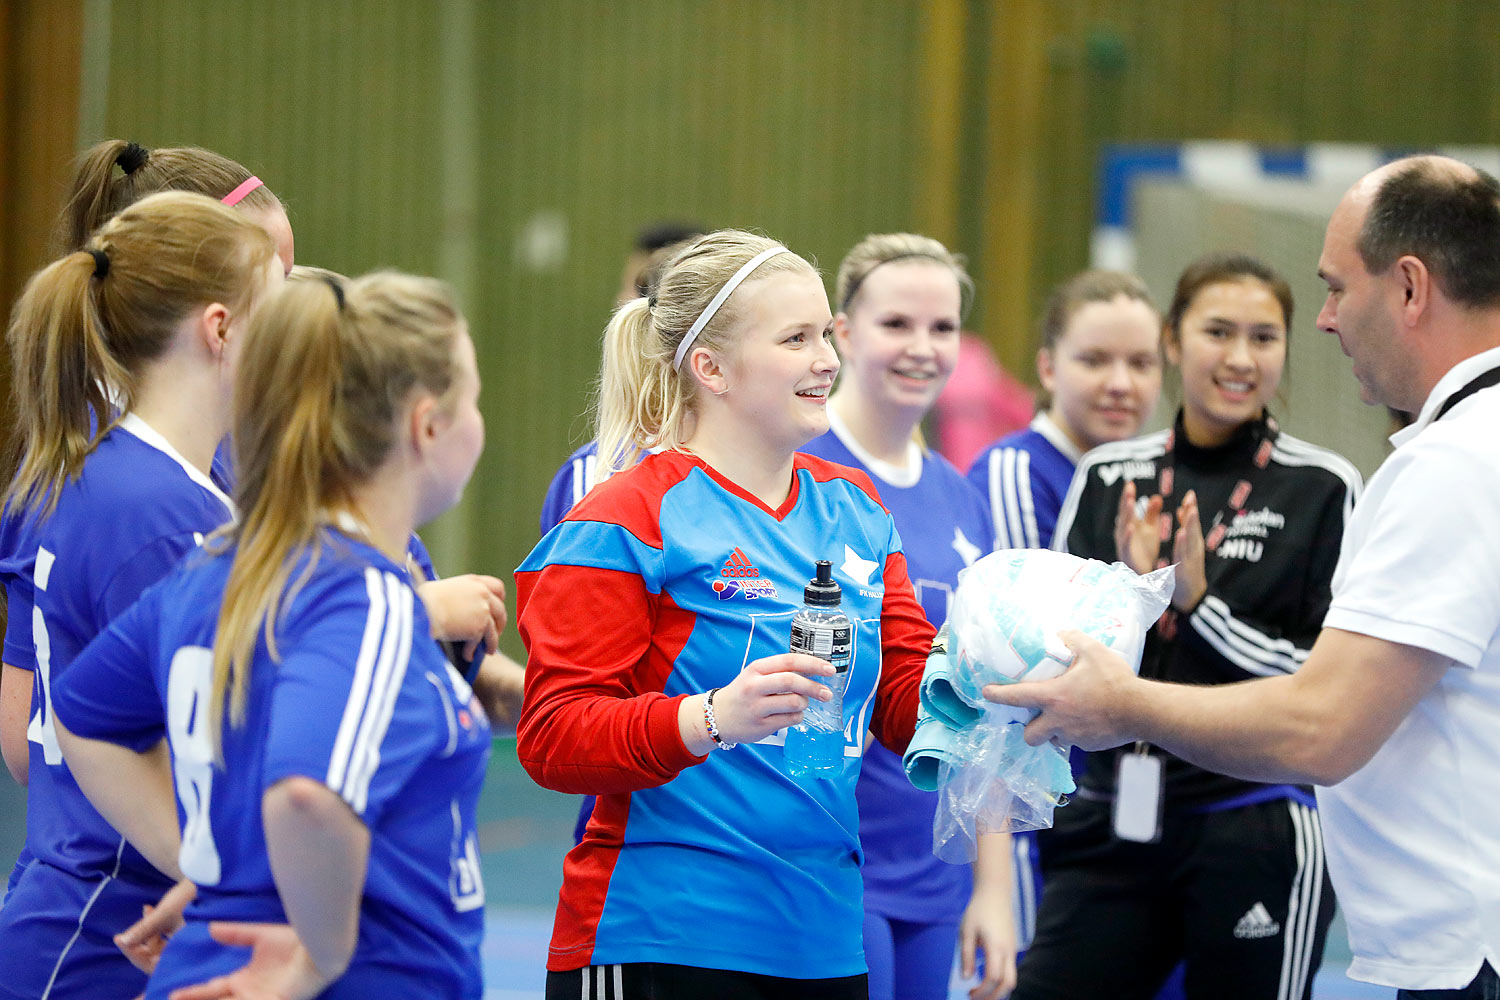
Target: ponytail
(644, 401)
(325, 372)
(281, 469)
(114, 174)
(61, 367)
(640, 398)
(87, 326)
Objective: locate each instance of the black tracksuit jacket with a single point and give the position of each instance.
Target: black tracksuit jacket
(1268, 580)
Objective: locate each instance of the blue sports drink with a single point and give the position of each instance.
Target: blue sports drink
(815, 746)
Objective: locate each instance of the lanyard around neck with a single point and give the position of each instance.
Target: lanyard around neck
(1483, 381)
(1239, 497)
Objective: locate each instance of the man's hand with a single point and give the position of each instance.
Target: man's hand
(1081, 707)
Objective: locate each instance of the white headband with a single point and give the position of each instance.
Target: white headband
(718, 300)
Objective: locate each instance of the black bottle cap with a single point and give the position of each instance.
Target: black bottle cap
(822, 590)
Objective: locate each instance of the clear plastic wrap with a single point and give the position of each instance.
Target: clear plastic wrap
(1003, 627)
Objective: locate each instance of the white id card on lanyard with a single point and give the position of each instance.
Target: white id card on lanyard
(1138, 797)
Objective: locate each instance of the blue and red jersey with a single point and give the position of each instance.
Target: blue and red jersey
(664, 582)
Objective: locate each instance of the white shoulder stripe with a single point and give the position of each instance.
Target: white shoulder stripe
(1011, 506)
(1028, 507)
(998, 502)
(389, 674)
(379, 671)
(1141, 448)
(1295, 451)
(364, 670)
(1015, 534)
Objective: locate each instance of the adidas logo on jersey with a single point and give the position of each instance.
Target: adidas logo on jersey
(738, 565)
(741, 577)
(1256, 923)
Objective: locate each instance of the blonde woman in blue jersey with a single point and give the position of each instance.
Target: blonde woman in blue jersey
(329, 775)
(901, 299)
(110, 176)
(657, 617)
(146, 321)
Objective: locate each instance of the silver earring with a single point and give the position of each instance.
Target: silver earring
(722, 391)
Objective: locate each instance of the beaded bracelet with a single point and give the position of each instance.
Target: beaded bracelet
(713, 726)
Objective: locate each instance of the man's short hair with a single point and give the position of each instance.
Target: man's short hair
(1447, 219)
(664, 234)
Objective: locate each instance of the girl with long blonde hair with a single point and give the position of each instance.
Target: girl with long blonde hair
(123, 355)
(326, 757)
(657, 617)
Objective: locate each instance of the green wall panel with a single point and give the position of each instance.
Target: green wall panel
(591, 119)
(515, 147)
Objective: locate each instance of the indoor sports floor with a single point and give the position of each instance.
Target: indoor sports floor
(524, 831)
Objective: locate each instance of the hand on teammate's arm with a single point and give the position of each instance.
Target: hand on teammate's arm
(469, 609)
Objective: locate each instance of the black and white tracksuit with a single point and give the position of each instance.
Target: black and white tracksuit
(1236, 885)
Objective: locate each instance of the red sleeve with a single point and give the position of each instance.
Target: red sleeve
(599, 647)
(905, 640)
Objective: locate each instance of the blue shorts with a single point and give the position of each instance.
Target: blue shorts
(59, 933)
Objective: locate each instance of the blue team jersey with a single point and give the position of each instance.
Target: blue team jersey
(17, 558)
(362, 701)
(569, 485)
(944, 527)
(663, 582)
(135, 509)
(1024, 477)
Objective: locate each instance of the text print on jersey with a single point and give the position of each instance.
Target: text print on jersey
(740, 576)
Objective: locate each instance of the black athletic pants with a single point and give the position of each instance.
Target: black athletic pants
(1241, 897)
(657, 981)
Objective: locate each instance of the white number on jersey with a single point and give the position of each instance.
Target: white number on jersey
(189, 685)
(43, 727)
(465, 885)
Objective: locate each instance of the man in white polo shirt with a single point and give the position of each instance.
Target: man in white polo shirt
(1397, 709)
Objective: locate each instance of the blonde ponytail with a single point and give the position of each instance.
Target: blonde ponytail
(326, 367)
(86, 326)
(643, 402)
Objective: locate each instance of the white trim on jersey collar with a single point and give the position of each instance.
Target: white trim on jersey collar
(887, 472)
(1056, 436)
(147, 434)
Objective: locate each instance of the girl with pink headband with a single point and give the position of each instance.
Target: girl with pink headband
(116, 173)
